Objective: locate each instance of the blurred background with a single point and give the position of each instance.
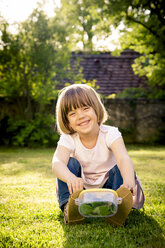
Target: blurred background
(118, 47)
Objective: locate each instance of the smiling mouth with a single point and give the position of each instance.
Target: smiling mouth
(84, 123)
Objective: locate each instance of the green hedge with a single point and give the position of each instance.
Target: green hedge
(37, 132)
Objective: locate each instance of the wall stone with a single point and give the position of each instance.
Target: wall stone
(139, 120)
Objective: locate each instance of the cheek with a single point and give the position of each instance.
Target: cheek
(96, 118)
(94, 115)
(70, 121)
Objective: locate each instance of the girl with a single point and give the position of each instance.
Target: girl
(89, 154)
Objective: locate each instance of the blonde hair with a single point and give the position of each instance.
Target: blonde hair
(73, 97)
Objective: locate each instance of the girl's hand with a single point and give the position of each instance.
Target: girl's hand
(133, 189)
(75, 184)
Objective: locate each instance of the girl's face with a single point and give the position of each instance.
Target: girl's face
(83, 120)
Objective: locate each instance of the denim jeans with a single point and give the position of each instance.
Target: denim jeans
(114, 181)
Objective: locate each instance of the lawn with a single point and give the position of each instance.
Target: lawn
(30, 217)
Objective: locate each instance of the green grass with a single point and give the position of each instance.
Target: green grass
(30, 217)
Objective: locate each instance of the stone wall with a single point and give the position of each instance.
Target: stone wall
(139, 120)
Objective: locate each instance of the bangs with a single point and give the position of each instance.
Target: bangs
(75, 98)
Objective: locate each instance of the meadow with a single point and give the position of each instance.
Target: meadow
(30, 217)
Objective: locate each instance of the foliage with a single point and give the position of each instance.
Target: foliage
(30, 216)
(141, 24)
(135, 93)
(142, 30)
(98, 208)
(151, 63)
(83, 22)
(33, 63)
(33, 133)
(34, 57)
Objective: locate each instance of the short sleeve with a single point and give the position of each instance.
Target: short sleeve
(67, 141)
(112, 134)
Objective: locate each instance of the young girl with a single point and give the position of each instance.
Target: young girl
(89, 154)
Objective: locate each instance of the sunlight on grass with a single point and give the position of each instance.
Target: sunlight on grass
(30, 217)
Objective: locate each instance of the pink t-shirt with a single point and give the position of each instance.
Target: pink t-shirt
(95, 162)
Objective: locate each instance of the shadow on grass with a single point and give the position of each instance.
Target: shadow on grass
(140, 230)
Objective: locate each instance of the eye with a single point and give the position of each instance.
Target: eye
(86, 107)
(71, 113)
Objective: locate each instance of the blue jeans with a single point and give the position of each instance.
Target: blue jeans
(114, 181)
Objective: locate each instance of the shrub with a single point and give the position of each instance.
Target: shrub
(149, 93)
(33, 133)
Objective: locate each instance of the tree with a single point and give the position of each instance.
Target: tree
(83, 22)
(144, 32)
(32, 65)
(31, 61)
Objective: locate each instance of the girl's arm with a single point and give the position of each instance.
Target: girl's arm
(124, 163)
(60, 169)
